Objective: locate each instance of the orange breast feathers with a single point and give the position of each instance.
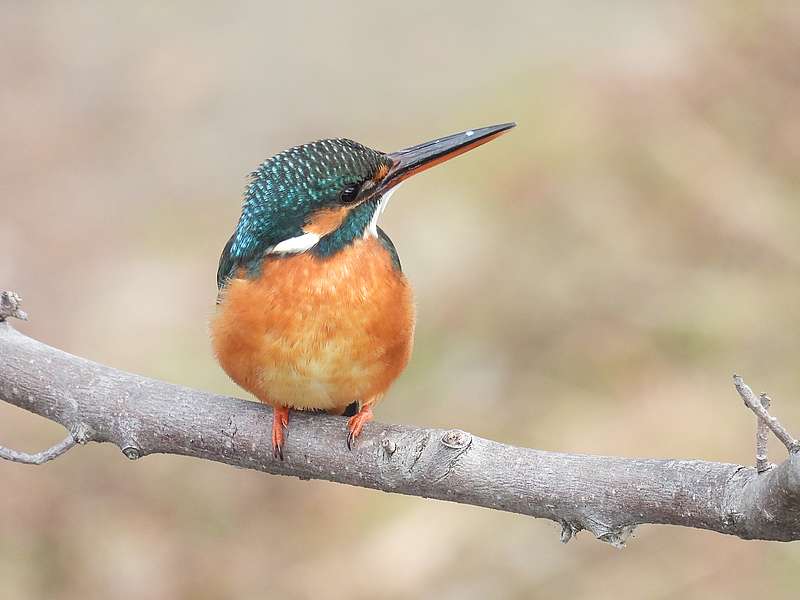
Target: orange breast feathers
(317, 333)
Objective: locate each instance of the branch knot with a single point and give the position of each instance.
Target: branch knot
(10, 306)
(132, 452)
(456, 439)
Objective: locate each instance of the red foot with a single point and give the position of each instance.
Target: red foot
(280, 421)
(356, 423)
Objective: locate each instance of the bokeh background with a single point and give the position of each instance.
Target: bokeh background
(588, 283)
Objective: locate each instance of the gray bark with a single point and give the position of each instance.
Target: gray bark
(605, 495)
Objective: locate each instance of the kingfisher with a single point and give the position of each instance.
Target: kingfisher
(313, 310)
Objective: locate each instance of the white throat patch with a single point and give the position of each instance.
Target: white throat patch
(372, 228)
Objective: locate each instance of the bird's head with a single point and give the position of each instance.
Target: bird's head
(324, 195)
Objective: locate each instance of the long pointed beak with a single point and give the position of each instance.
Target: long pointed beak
(416, 159)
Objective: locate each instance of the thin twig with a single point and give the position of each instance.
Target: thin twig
(40, 457)
(754, 404)
(762, 437)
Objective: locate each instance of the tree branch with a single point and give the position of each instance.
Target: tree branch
(607, 496)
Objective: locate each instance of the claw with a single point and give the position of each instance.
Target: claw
(280, 421)
(356, 423)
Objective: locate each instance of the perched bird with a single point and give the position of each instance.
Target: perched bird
(314, 312)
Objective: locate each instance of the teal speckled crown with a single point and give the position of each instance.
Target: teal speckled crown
(287, 188)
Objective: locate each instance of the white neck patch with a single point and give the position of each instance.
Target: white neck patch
(295, 245)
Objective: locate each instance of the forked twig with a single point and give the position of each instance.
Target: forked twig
(754, 404)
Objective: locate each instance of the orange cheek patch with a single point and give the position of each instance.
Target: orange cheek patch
(326, 220)
(383, 170)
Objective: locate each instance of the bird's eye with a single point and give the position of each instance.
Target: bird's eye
(349, 194)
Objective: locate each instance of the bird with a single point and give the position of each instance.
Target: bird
(313, 310)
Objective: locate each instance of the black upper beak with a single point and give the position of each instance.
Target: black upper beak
(416, 159)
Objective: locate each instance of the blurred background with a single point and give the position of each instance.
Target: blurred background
(588, 283)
